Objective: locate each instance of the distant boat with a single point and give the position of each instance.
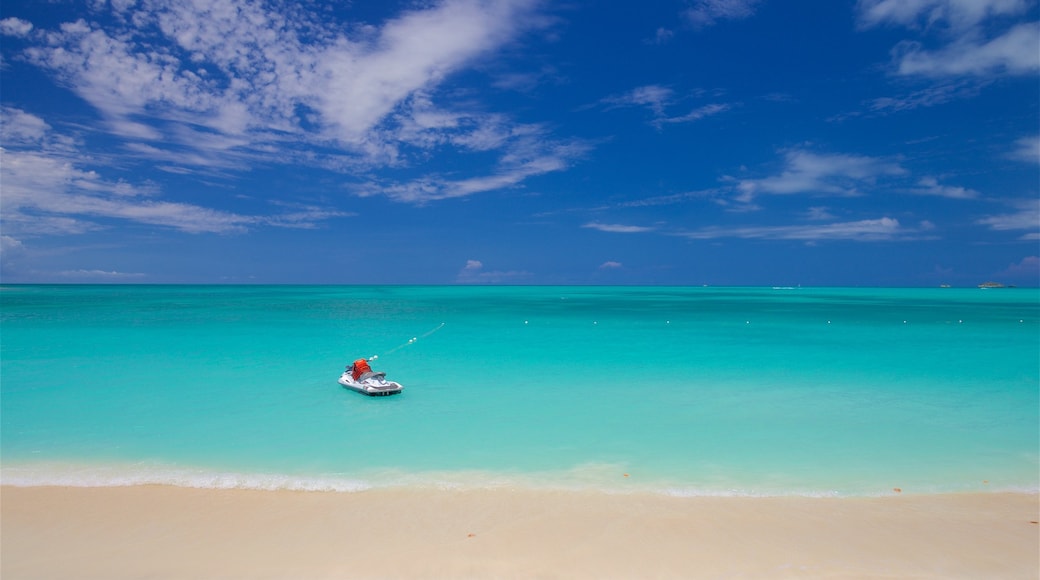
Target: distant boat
(986, 285)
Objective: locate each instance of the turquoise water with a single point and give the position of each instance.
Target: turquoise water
(686, 391)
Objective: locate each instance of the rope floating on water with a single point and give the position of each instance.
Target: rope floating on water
(412, 340)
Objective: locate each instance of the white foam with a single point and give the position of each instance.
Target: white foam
(607, 478)
(67, 475)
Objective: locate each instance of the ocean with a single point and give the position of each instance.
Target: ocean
(683, 391)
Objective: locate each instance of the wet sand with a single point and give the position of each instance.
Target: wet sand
(160, 532)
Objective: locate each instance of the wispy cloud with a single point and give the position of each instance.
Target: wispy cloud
(363, 84)
(524, 157)
(1028, 267)
(100, 274)
(617, 228)
(301, 216)
(662, 36)
(1025, 217)
(654, 97)
(610, 265)
(49, 189)
(474, 273)
(714, 194)
(696, 114)
(819, 213)
(658, 99)
(977, 38)
(1027, 149)
(1014, 53)
(873, 230)
(952, 15)
(231, 84)
(928, 97)
(707, 12)
(23, 128)
(39, 188)
(931, 186)
(806, 172)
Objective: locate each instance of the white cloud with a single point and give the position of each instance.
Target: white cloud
(955, 14)
(812, 173)
(99, 274)
(48, 189)
(610, 265)
(674, 198)
(658, 99)
(15, 27)
(432, 188)
(134, 130)
(9, 244)
(1016, 52)
(617, 228)
(819, 213)
(881, 229)
(1028, 266)
(931, 186)
(301, 216)
(654, 97)
(524, 158)
(1026, 217)
(115, 76)
(662, 35)
(217, 87)
(927, 97)
(978, 40)
(1027, 149)
(20, 128)
(708, 12)
(241, 79)
(473, 273)
(361, 86)
(185, 160)
(696, 114)
(37, 186)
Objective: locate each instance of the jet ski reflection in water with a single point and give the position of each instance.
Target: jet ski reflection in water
(360, 377)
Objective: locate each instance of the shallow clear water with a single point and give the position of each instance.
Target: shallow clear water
(675, 390)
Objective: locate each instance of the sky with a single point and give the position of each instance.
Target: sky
(671, 142)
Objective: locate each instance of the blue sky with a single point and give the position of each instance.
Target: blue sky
(721, 142)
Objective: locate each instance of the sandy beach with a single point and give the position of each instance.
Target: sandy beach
(170, 532)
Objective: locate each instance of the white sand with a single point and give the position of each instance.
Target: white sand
(161, 532)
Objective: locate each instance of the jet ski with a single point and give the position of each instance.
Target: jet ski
(370, 383)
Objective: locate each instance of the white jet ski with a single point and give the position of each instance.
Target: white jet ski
(370, 383)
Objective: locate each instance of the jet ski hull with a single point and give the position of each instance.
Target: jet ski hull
(376, 386)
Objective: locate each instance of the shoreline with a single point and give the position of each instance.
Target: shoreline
(591, 478)
(160, 531)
